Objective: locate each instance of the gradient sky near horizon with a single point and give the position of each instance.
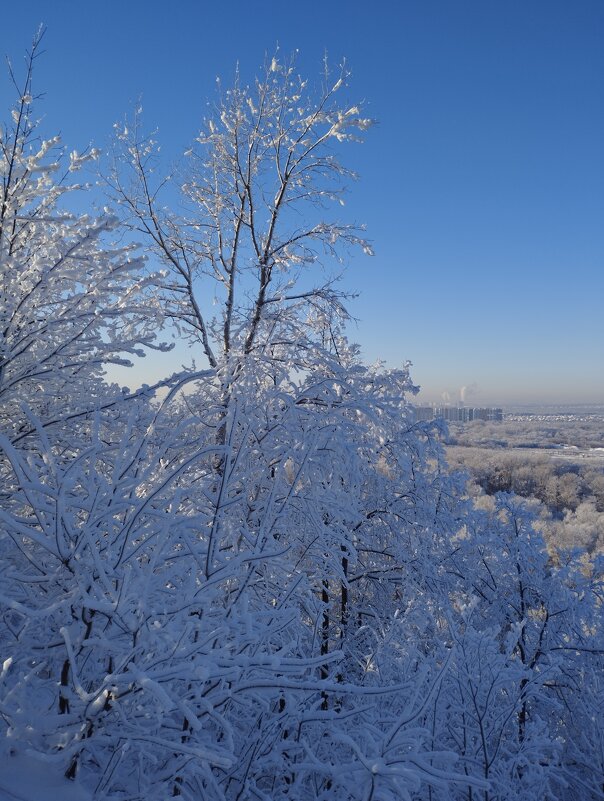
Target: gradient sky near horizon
(482, 186)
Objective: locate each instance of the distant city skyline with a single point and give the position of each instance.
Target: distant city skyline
(459, 413)
(482, 186)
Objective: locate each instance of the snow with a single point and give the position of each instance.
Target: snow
(26, 778)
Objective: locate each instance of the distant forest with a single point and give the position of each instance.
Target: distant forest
(568, 493)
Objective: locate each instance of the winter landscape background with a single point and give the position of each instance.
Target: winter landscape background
(238, 557)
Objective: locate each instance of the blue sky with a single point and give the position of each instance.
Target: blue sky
(482, 186)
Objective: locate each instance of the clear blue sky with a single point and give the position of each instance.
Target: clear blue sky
(482, 186)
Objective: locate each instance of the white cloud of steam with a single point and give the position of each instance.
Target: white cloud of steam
(466, 391)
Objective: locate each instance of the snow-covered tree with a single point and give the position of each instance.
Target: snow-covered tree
(69, 302)
(526, 635)
(256, 187)
(308, 431)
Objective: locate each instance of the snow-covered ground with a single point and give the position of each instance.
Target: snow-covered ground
(25, 778)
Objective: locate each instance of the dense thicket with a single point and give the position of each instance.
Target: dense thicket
(263, 582)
